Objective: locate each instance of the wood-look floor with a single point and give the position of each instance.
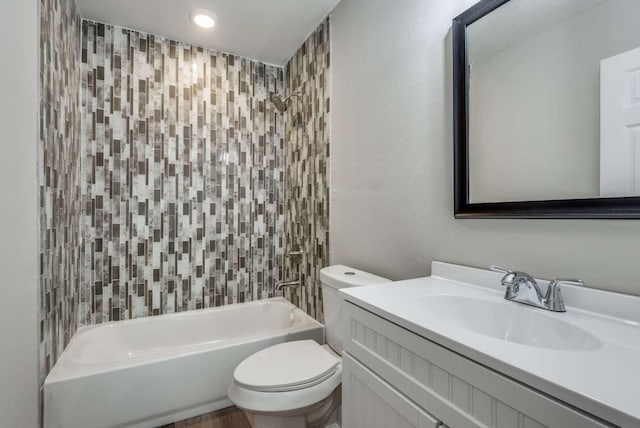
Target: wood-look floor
(231, 417)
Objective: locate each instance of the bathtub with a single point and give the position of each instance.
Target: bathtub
(153, 371)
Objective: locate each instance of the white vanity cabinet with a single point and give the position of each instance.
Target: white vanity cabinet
(370, 402)
(395, 378)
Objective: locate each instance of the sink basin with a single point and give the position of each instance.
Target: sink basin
(511, 322)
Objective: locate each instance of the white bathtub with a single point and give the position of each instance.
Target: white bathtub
(152, 371)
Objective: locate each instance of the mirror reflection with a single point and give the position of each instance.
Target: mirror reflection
(554, 101)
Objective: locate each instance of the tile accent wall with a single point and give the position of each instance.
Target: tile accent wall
(307, 169)
(59, 177)
(183, 197)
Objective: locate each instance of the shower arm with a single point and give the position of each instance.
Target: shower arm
(281, 104)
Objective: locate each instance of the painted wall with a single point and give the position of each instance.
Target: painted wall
(183, 189)
(556, 76)
(392, 161)
(59, 168)
(19, 225)
(307, 122)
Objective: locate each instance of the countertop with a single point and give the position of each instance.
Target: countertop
(604, 382)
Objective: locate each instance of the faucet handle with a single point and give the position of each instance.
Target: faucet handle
(508, 280)
(512, 275)
(559, 281)
(513, 278)
(519, 284)
(508, 277)
(497, 268)
(553, 298)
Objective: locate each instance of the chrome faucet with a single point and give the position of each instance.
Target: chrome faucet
(294, 283)
(553, 298)
(523, 288)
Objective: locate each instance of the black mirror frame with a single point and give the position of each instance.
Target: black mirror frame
(591, 208)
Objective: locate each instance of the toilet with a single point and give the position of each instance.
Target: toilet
(297, 384)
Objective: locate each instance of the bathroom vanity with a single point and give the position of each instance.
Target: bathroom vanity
(448, 350)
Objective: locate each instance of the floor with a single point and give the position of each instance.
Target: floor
(231, 417)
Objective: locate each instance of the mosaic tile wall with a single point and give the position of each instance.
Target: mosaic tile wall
(59, 177)
(307, 168)
(183, 198)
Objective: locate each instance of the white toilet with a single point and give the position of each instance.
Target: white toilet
(297, 384)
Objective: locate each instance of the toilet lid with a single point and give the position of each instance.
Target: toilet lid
(287, 366)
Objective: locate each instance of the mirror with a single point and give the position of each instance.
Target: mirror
(547, 109)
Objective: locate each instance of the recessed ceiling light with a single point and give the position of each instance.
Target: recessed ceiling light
(203, 18)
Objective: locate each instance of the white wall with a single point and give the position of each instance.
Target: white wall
(18, 216)
(392, 162)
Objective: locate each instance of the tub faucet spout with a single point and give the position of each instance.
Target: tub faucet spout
(294, 283)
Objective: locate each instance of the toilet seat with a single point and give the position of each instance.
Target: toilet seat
(288, 366)
(290, 376)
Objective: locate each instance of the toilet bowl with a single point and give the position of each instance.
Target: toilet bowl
(297, 384)
(292, 384)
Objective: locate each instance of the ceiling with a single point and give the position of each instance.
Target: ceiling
(267, 30)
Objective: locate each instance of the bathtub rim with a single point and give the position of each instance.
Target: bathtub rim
(83, 370)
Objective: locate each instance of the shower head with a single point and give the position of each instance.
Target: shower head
(281, 104)
(278, 103)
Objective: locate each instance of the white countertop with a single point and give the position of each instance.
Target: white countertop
(604, 381)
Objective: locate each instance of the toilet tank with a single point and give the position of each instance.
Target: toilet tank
(333, 278)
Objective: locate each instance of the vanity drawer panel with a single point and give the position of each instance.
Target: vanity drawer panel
(455, 389)
(370, 402)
